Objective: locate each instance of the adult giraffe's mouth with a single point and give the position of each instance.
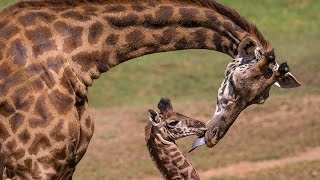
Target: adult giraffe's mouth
(218, 126)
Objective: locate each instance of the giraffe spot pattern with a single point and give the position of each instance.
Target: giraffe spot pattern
(163, 14)
(11, 81)
(185, 164)
(16, 121)
(94, 59)
(66, 83)
(189, 13)
(11, 145)
(88, 122)
(40, 38)
(5, 69)
(181, 44)
(4, 134)
(8, 32)
(129, 20)
(18, 51)
(41, 110)
(200, 38)
(112, 39)
(76, 16)
(161, 18)
(4, 23)
(90, 10)
(62, 102)
(72, 35)
(60, 154)
(30, 18)
(2, 46)
(135, 38)
(95, 32)
(56, 132)
(168, 36)
(28, 162)
(37, 85)
(39, 142)
(48, 162)
(55, 63)
(24, 136)
(6, 109)
(18, 154)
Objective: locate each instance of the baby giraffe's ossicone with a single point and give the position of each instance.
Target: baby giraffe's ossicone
(162, 131)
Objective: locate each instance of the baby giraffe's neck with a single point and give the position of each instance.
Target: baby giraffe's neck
(167, 156)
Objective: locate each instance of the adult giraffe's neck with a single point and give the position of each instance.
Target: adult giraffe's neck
(167, 156)
(125, 31)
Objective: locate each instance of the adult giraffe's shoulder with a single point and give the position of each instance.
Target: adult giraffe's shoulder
(51, 50)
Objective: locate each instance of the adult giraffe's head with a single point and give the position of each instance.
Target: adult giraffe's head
(171, 125)
(248, 79)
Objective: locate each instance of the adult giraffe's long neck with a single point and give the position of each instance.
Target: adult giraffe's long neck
(117, 32)
(96, 35)
(169, 159)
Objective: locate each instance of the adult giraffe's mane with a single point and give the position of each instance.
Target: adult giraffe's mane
(228, 12)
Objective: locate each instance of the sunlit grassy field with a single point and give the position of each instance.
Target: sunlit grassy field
(286, 125)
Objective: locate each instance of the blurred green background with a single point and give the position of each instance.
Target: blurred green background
(191, 78)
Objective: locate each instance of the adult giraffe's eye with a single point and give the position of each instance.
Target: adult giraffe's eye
(173, 123)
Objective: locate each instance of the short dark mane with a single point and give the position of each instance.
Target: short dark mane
(230, 13)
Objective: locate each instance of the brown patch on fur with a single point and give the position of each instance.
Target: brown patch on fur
(16, 121)
(18, 52)
(94, 59)
(4, 134)
(72, 35)
(24, 136)
(95, 32)
(63, 103)
(5, 69)
(8, 31)
(112, 39)
(135, 37)
(40, 38)
(56, 132)
(30, 18)
(39, 142)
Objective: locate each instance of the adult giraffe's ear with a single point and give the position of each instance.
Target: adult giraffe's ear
(288, 81)
(154, 117)
(247, 47)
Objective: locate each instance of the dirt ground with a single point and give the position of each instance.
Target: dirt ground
(280, 132)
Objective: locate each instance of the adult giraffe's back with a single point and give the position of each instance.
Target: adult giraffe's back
(51, 50)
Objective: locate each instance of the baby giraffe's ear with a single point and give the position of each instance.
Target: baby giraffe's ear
(154, 117)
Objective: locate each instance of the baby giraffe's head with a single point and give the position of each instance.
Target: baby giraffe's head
(171, 125)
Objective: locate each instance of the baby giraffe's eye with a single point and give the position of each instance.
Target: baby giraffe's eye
(173, 123)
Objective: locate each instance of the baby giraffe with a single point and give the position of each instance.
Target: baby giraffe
(162, 131)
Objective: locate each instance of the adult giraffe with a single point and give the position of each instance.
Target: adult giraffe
(51, 50)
